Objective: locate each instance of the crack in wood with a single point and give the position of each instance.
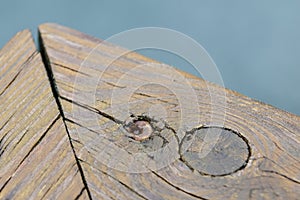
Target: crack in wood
(275, 172)
(80, 193)
(31, 150)
(56, 95)
(20, 70)
(73, 70)
(178, 188)
(103, 114)
(37, 142)
(282, 175)
(124, 184)
(114, 85)
(6, 182)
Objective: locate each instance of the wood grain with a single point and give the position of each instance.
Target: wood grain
(36, 158)
(98, 90)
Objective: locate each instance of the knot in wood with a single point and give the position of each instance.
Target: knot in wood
(215, 151)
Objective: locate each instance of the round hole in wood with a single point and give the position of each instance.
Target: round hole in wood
(200, 151)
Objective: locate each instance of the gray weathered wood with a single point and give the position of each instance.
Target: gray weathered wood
(90, 85)
(36, 158)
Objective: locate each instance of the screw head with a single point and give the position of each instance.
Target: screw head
(138, 129)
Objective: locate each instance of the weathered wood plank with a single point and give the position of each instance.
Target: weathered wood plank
(257, 156)
(36, 158)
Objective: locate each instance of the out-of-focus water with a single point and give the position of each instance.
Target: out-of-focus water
(255, 44)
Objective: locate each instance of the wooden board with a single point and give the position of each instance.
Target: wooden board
(36, 158)
(255, 152)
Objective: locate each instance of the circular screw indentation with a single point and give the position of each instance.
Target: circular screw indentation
(230, 153)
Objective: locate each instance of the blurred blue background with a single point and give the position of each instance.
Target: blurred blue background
(255, 44)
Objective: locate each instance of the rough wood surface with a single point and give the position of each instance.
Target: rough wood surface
(98, 91)
(36, 158)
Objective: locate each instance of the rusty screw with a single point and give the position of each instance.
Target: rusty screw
(138, 129)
